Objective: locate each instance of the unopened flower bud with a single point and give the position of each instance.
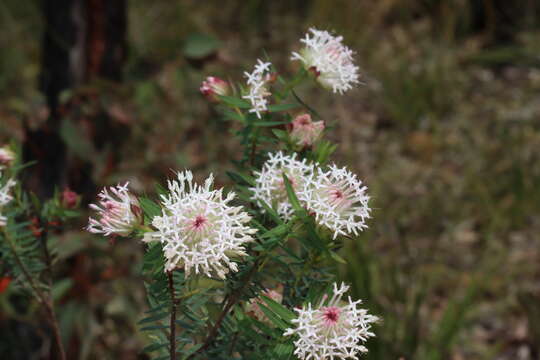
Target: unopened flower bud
(214, 86)
(7, 156)
(304, 132)
(4, 283)
(70, 199)
(118, 212)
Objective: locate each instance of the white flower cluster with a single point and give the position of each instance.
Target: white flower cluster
(335, 197)
(338, 200)
(5, 197)
(257, 82)
(334, 329)
(269, 186)
(198, 229)
(331, 61)
(118, 212)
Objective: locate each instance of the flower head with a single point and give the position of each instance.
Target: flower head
(253, 306)
(7, 156)
(198, 228)
(5, 197)
(304, 132)
(69, 199)
(338, 200)
(269, 186)
(257, 82)
(118, 212)
(213, 86)
(332, 330)
(330, 60)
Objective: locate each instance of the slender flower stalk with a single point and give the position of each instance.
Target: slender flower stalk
(334, 329)
(199, 230)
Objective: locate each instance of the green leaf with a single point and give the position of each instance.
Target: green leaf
(279, 309)
(280, 134)
(241, 178)
(338, 258)
(199, 45)
(292, 197)
(284, 351)
(277, 231)
(149, 207)
(60, 288)
(269, 123)
(234, 102)
(273, 214)
(275, 319)
(154, 347)
(282, 107)
(153, 318)
(155, 327)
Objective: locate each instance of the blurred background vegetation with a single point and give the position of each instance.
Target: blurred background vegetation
(445, 132)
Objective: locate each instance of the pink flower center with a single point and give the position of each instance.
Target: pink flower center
(337, 194)
(199, 222)
(331, 315)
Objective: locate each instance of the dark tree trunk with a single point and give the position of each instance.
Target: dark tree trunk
(83, 39)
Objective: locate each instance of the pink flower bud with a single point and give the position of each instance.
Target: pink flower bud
(213, 86)
(70, 199)
(7, 156)
(304, 132)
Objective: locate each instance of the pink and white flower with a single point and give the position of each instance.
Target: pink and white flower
(330, 60)
(304, 132)
(213, 86)
(269, 186)
(338, 200)
(334, 329)
(199, 230)
(118, 212)
(7, 156)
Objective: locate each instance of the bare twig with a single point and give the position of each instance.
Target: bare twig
(50, 302)
(174, 304)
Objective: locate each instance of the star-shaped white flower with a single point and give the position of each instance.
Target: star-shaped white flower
(334, 329)
(199, 230)
(330, 60)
